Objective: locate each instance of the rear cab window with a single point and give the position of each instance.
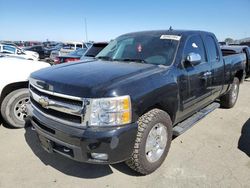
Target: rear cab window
(212, 48)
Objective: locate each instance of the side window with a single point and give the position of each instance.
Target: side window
(212, 49)
(9, 49)
(195, 45)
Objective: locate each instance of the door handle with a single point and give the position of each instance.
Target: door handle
(206, 75)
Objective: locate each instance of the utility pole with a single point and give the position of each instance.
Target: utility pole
(86, 29)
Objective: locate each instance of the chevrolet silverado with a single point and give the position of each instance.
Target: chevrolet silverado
(129, 102)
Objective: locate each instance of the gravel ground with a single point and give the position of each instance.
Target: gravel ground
(213, 153)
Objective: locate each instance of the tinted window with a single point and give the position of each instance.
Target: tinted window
(212, 49)
(195, 45)
(95, 49)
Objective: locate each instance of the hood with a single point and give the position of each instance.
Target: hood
(90, 78)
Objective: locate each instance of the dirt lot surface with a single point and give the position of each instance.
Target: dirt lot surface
(213, 153)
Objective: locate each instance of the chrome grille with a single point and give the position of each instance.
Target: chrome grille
(63, 108)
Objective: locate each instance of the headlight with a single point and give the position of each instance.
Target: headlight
(110, 111)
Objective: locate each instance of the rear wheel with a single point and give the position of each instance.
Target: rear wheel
(229, 99)
(13, 108)
(153, 141)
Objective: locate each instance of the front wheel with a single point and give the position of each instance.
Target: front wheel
(228, 100)
(13, 108)
(152, 143)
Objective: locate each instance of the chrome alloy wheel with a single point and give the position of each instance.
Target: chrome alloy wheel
(20, 109)
(156, 142)
(235, 93)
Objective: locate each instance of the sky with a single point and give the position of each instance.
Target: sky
(64, 20)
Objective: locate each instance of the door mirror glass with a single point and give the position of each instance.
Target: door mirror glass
(193, 58)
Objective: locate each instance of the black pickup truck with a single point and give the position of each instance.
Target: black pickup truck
(128, 102)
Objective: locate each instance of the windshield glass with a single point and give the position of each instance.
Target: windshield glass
(145, 48)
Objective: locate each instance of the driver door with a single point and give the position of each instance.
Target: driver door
(197, 77)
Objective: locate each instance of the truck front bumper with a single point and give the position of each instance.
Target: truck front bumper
(91, 145)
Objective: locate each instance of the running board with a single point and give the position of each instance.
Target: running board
(191, 121)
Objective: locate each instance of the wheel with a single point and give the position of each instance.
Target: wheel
(152, 143)
(13, 108)
(228, 100)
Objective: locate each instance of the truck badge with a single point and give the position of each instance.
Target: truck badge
(44, 102)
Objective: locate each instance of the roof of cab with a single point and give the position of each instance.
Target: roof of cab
(170, 32)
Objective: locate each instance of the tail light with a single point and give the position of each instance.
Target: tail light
(57, 61)
(70, 59)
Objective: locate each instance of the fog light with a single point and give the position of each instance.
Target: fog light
(100, 156)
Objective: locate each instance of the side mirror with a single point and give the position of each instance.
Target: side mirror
(193, 59)
(19, 52)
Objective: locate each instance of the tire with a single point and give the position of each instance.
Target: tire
(140, 159)
(229, 99)
(13, 108)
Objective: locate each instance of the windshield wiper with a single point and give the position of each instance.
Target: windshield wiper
(131, 59)
(105, 58)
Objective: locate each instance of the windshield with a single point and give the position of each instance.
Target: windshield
(145, 48)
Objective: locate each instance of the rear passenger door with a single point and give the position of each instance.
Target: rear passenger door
(198, 77)
(217, 65)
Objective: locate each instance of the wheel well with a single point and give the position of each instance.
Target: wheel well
(11, 87)
(240, 75)
(161, 107)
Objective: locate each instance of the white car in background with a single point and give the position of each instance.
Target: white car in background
(67, 48)
(14, 94)
(13, 51)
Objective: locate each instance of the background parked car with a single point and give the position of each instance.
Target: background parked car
(42, 51)
(10, 50)
(54, 51)
(82, 54)
(14, 95)
(31, 43)
(73, 56)
(94, 50)
(70, 47)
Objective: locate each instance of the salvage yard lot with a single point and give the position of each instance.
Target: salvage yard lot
(214, 153)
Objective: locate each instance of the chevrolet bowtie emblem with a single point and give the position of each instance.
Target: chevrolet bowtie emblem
(44, 102)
